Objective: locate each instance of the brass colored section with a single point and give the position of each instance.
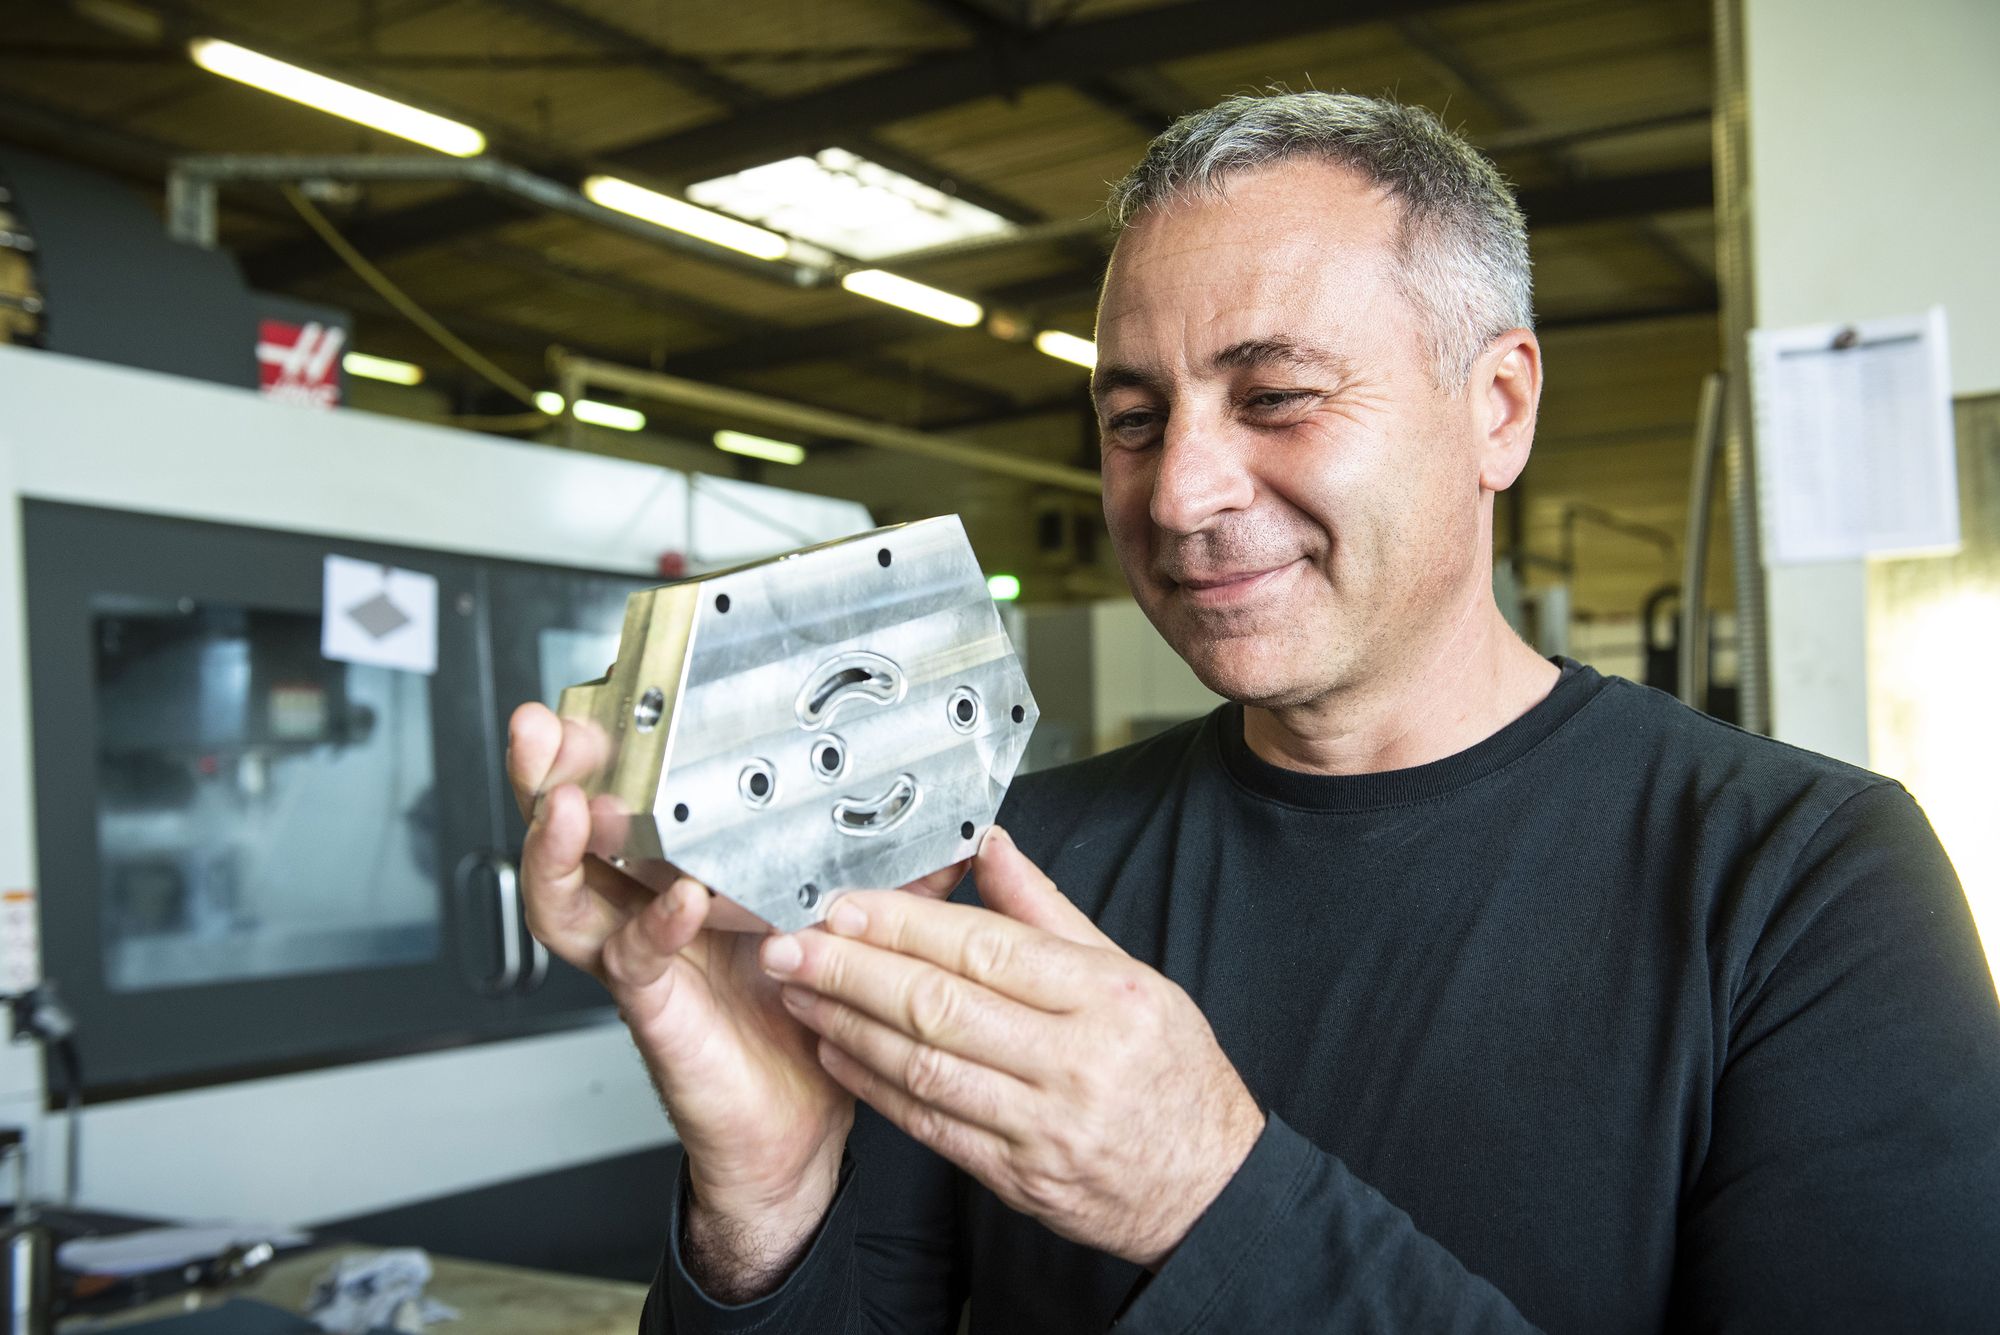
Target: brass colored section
(652, 655)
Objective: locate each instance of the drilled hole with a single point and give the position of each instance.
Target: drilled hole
(1019, 713)
(965, 830)
(652, 705)
(722, 602)
(760, 785)
(680, 811)
(882, 558)
(808, 895)
(965, 711)
(827, 757)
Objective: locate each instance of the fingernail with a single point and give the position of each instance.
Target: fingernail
(994, 836)
(782, 955)
(795, 998)
(845, 919)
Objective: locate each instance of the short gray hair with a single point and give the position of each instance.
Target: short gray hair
(1462, 242)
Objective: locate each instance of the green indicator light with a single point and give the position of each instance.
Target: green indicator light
(1004, 588)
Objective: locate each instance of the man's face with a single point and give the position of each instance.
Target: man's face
(1296, 504)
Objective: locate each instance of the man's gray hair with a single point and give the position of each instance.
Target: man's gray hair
(1462, 243)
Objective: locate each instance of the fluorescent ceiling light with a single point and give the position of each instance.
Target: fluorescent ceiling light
(1004, 588)
(886, 287)
(680, 216)
(336, 98)
(1067, 347)
(382, 368)
(760, 447)
(593, 412)
(848, 204)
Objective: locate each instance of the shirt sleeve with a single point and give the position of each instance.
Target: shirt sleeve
(884, 1262)
(1852, 1179)
(1295, 1242)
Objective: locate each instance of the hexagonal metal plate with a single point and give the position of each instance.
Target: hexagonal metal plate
(839, 718)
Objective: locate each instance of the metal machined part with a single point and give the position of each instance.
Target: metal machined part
(839, 718)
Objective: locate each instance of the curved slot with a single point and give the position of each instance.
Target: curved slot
(883, 814)
(851, 676)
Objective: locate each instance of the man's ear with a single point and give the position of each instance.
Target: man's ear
(1505, 389)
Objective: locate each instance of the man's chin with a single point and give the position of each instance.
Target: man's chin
(1261, 674)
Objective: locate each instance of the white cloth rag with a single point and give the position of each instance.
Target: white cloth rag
(375, 1291)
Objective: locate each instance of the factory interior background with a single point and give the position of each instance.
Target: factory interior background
(630, 290)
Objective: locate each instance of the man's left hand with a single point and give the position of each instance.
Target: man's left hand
(1021, 1043)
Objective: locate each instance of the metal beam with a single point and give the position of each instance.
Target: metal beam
(1075, 52)
(1603, 200)
(1441, 52)
(1610, 198)
(738, 405)
(601, 284)
(690, 74)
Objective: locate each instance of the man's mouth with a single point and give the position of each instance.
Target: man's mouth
(1229, 587)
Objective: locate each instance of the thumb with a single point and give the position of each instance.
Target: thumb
(1010, 884)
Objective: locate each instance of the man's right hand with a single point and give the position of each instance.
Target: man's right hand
(762, 1125)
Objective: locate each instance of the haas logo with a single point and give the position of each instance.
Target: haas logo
(300, 363)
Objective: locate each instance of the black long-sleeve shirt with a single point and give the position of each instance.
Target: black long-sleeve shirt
(1620, 1020)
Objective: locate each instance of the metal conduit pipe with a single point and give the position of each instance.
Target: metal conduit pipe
(193, 184)
(1732, 229)
(1693, 674)
(577, 374)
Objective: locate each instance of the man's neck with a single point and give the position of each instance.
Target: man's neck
(1477, 679)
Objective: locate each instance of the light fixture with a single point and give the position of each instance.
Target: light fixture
(382, 368)
(591, 411)
(1004, 588)
(895, 290)
(680, 216)
(848, 204)
(336, 98)
(760, 447)
(1067, 347)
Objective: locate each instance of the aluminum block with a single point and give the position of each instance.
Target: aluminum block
(843, 717)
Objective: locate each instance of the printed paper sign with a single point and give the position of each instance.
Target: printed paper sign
(1854, 439)
(20, 942)
(379, 615)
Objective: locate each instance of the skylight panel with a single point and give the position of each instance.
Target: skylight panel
(847, 204)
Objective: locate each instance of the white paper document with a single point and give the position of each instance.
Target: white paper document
(1855, 455)
(379, 615)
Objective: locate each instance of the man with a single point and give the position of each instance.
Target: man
(1428, 985)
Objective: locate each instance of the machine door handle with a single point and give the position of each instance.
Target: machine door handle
(538, 964)
(507, 884)
(507, 890)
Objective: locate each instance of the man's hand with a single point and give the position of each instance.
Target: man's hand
(762, 1124)
(1082, 1087)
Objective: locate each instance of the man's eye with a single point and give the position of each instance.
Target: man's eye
(1272, 400)
(1126, 424)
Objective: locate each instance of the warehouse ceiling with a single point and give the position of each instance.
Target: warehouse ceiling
(1597, 109)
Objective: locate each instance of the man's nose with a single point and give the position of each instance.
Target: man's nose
(1202, 473)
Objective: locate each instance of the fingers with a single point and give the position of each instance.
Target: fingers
(940, 882)
(573, 905)
(640, 952)
(972, 1148)
(534, 735)
(544, 752)
(1012, 885)
(1012, 958)
(966, 1090)
(931, 1005)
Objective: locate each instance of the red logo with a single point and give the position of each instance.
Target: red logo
(300, 363)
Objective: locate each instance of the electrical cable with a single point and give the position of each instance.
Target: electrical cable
(385, 287)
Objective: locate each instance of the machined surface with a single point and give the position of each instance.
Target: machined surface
(845, 717)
